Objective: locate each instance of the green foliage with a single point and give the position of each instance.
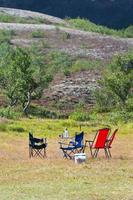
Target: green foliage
(65, 36)
(119, 117)
(128, 32)
(86, 25)
(42, 112)
(9, 113)
(80, 116)
(104, 100)
(80, 65)
(16, 19)
(116, 85)
(6, 36)
(17, 129)
(129, 104)
(58, 62)
(23, 77)
(6, 18)
(38, 34)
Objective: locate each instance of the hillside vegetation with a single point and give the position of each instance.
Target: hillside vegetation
(70, 60)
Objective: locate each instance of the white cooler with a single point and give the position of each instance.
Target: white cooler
(80, 157)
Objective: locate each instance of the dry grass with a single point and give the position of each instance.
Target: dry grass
(54, 178)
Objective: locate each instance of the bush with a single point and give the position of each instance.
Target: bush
(58, 62)
(65, 36)
(129, 104)
(6, 18)
(128, 32)
(81, 65)
(41, 112)
(3, 127)
(6, 35)
(86, 25)
(80, 116)
(9, 114)
(120, 116)
(115, 90)
(38, 34)
(17, 129)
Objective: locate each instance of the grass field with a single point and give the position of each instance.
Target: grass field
(54, 178)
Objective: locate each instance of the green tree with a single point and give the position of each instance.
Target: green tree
(21, 80)
(117, 84)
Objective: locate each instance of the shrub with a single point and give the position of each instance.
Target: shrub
(86, 25)
(81, 65)
(41, 112)
(6, 18)
(3, 127)
(80, 116)
(38, 34)
(58, 62)
(65, 36)
(120, 116)
(129, 104)
(17, 129)
(128, 32)
(8, 113)
(6, 35)
(116, 85)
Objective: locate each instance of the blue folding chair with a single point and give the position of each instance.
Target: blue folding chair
(74, 146)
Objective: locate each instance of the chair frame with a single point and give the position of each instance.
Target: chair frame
(93, 142)
(109, 142)
(37, 146)
(70, 149)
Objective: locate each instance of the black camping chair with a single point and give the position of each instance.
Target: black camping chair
(75, 146)
(37, 146)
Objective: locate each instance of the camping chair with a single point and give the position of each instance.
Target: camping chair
(74, 146)
(99, 142)
(37, 147)
(109, 142)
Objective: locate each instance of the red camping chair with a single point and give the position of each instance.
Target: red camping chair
(99, 142)
(109, 142)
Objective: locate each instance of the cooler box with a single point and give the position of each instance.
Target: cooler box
(80, 157)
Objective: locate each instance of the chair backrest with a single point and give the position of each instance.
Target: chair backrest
(100, 138)
(33, 140)
(112, 138)
(30, 138)
(79, 139)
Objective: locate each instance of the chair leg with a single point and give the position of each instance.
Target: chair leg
(95, 153)
(91, 150)
(106, 153)
(109, 153)
(38, 152)
(44, 155)
(30, 152)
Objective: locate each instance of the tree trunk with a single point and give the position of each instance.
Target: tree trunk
(26, 104)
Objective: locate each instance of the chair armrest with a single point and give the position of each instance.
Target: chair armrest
(88, 141)
(63, 144)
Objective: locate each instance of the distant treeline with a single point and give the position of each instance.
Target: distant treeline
(112, 13)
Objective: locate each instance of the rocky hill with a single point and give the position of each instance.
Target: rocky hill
(66, 91)
(112, 13)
